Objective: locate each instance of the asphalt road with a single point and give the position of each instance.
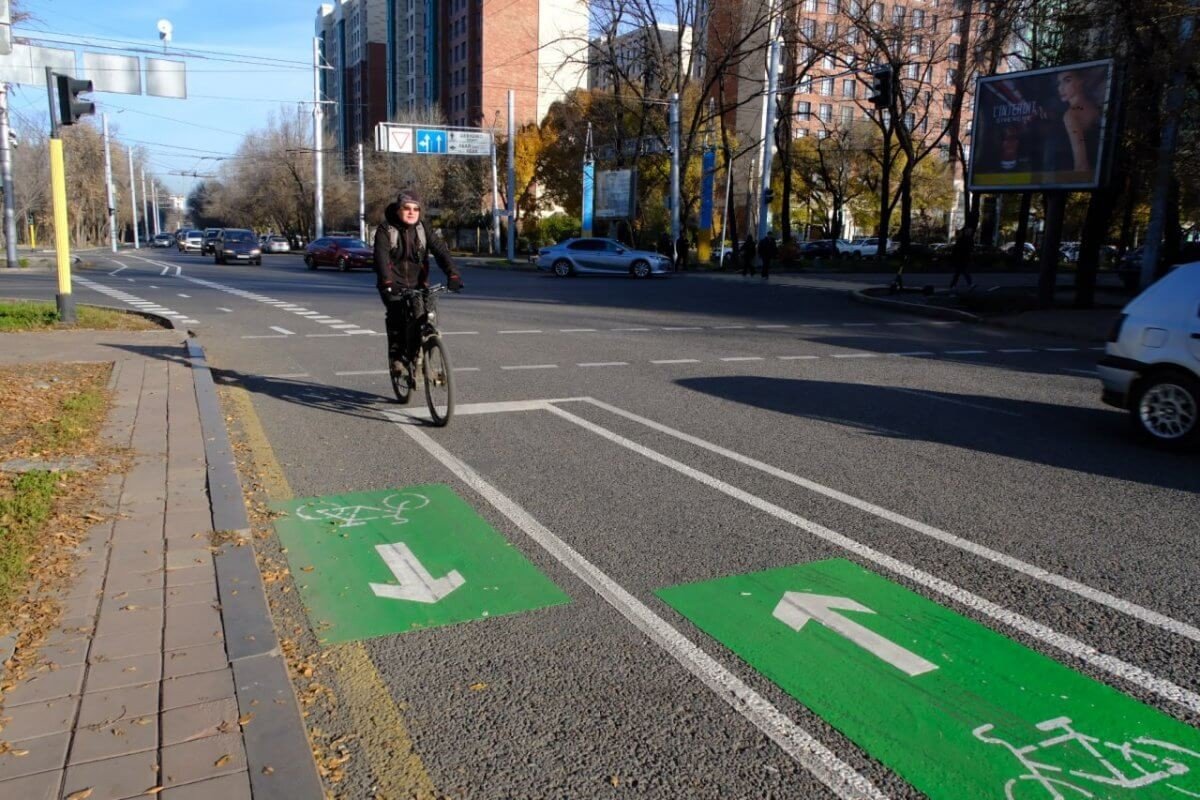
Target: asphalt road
(729, 426)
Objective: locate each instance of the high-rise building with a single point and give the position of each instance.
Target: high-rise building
(353, 39)
(640, 56)
(462, 57)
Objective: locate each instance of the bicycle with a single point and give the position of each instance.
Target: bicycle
(430, 359)
(1146, 762)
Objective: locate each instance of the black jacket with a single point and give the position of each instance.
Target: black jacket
(407, 266)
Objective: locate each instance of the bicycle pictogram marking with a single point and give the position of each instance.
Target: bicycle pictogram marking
(395, 507)
(1144, 762)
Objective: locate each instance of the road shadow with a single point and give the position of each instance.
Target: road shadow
(1085, 440)
(974, 337)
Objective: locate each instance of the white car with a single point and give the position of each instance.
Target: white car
(576, 256)
(1151, 365)
(276, 244)
(868, 247)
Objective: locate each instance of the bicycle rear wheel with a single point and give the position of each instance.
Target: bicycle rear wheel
(439, 383)
(401, 384)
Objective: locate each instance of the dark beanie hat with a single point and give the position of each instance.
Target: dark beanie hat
(410, 196)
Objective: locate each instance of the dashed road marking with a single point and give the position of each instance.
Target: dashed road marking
(531, 366)
(676, 361)
(284, 331)
(742, 358)
(603, 364)
(520, 331)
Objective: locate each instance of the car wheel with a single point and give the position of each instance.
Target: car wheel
(343, 264)
(563, 268)
(640, 269)
(258, 261)
(308, 262)
(216, 259)
(1166, 410)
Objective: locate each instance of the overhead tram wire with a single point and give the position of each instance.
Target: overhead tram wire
(149, 49)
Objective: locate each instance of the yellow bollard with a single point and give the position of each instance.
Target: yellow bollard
(62, 236)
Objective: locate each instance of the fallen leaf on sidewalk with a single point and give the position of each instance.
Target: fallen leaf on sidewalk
(222, 761)
(131, 607)
(268, 770)
(82, 794)
(478, 687)
(19, 753)
(154, 790)
(94, 517)
(244, 719)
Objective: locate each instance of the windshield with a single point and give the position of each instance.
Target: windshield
(348, 242)
(239, 237)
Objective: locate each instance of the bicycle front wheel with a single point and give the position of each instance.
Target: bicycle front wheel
(401, 384)
(439, 383)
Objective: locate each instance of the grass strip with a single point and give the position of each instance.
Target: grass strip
(80, 415)
(34, 315)
(24, 508)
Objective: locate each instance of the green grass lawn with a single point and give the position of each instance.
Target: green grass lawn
(34, 315)
(24, 508)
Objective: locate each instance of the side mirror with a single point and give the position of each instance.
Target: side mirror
(620, 250)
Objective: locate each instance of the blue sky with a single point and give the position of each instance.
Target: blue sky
(225, 100)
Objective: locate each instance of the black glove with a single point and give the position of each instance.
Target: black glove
(455, 283)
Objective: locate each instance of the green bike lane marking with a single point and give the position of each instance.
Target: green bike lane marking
(953, 707)
(388, 562)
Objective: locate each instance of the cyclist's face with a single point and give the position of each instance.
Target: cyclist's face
(410, 213)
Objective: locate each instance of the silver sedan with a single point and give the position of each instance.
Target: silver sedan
(578, 256)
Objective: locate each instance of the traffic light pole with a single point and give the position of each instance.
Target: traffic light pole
(58, 192)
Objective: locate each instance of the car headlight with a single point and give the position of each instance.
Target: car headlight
(255, 251)
(230, 253)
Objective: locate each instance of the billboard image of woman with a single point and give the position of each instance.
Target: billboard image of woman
(1043, 129)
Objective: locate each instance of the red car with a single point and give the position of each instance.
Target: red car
(343, 252)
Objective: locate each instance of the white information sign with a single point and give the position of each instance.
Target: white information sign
(469, 143)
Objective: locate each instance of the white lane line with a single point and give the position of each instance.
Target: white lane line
(603, 364)
(363, 372)
(743, 358)
(333, 321)
(913, 353)
(676, 361)
(1017, 350)
(321, 318)
(226, 310)
(791, 738)
(681, 328)
(131, 280)
(771, 327)
(523, 331)
(965, 352)
(798, 358)
(532, 366)
(115, 271)
(902, 324)
(324, 335)
(152, 286)
(460, 333)
(576, 330)
(463, 369)
(1067, 644)
(1100, 349)
(855, 355)
(952, 401)
(181, 294)
(284, 331)
(310, 314)
(265, 336)
(1061, 349)
(363, 332)
(286, 376)
(728, 327)
(1091, 373)
(345, 326)
(629, 330)
(859, 324)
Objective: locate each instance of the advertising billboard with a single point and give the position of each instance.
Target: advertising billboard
(1043, 129)
(614, 194)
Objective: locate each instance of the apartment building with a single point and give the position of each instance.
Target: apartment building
(352, 39)
(641, 56)
(462, 57)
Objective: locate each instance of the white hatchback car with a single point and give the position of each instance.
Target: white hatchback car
(1152, 362)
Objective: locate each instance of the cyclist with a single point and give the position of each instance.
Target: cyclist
(403, 243)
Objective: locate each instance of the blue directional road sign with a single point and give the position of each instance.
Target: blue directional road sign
(431, 140)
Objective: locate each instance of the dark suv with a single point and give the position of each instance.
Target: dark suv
(210, 236)
(236, 244)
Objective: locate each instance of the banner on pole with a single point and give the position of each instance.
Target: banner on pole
(589, 186)
(708, 169)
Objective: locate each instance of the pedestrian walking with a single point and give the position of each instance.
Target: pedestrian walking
(664, 245)
(681, 253)
(748, 249)
(766, 253)
(961, 254)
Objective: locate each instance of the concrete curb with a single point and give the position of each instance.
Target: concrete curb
(277, 738)
(920, 309)
(158, 319)
(520, 266)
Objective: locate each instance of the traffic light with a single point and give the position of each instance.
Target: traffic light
(883, 89)
(70, 105)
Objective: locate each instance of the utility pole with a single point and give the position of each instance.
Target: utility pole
(145, 204)
(108, 187)
(512, 179)
(154, 205)
(362, 196)
(725, 213)
(64, 300)
(587, 206)
(768, 149)
(318, 143)
(674, 118)
(133, 200)
(10, 222)
(495, 193)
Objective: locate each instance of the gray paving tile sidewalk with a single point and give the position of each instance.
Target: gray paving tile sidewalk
(134, 689)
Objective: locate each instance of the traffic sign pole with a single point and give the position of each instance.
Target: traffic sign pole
(512, 181)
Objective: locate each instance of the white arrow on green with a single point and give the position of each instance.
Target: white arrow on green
(797, 608)
(415, 582)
